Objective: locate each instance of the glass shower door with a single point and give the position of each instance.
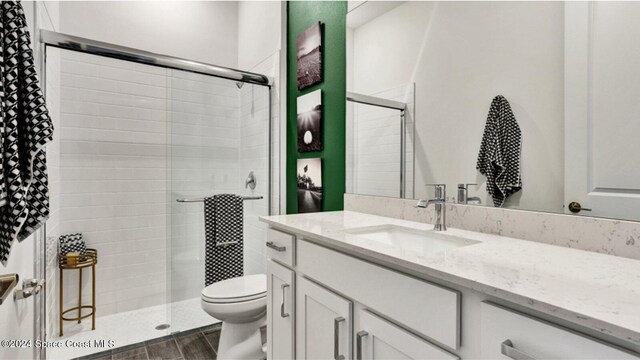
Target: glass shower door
(218, 133)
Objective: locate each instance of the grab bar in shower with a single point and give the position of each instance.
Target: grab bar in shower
(202, 199)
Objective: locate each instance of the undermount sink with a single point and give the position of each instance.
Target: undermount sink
(408, 239)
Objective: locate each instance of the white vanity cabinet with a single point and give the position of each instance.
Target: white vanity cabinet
(326, 304)
(280, 311)
(320, 323)
(324, 322)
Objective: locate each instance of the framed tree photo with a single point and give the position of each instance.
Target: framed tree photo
(309, 185)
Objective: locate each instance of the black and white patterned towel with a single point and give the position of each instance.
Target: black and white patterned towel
(72, 243)
(25, 128)
(499, 157)
(223, 221)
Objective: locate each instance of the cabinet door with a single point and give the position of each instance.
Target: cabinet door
(280, 311)
(379, 339)
(323, 323)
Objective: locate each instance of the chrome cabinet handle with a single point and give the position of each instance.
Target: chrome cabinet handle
(359, 337)
(336, 338)
(282, 313)
(276, 247)
(509, 351)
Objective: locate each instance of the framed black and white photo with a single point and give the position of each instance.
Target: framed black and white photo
(310, 121)
(309, 185)
(309, 56)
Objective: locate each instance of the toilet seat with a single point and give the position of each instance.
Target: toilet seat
(236, 290)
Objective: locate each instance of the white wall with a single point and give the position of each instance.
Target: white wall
(205, 31)
(258, 33)
(461, 55)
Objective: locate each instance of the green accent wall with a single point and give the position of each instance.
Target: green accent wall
(332, 14)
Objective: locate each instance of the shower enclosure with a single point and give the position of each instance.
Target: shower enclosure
(141, 139)
(380, 143)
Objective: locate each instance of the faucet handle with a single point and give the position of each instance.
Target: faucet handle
(441, 190)
(465, 186)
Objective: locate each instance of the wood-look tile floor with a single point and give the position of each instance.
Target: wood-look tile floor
(196, 344)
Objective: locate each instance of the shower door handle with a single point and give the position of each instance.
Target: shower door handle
(282, 313)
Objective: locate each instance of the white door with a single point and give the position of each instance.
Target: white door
(379, 339)
(17, 316)
(21, 319)
(280, 311)
(602, 111)
(323, 323)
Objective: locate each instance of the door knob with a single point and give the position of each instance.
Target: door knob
(575, 207)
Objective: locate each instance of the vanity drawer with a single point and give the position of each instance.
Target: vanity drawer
(425, 308)
(507, 334)
(280, 247)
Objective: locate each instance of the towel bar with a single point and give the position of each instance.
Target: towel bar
(202, 199)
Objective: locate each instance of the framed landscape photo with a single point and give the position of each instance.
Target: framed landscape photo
(309, 56)
(310, 121)
(309, 185)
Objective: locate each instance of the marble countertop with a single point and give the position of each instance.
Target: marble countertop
(597, 291)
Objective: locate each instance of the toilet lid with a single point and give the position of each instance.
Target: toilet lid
(238, 289)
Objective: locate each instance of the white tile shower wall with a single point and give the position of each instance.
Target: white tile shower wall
(205, 142)
(614, 237)
(112, 177)
(254, 122)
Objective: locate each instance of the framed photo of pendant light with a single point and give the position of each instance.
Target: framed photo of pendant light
(310, 121)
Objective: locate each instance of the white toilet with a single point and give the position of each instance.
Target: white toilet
(241, 304)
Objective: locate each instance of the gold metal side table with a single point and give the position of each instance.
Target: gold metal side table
(65, 262)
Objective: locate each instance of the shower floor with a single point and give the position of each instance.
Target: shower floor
(129, 327)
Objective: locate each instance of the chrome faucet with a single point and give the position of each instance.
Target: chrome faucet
(463, 195)
(441, 209)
